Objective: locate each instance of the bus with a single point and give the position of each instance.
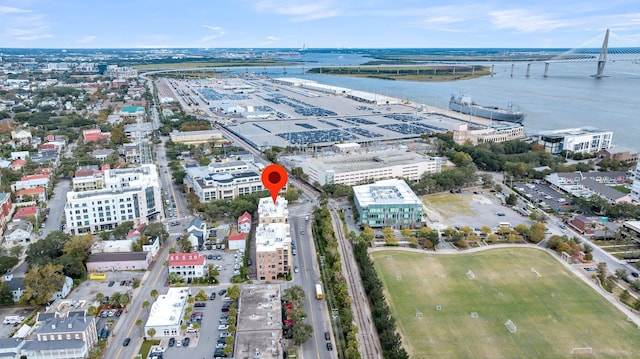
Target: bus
(319, 294)
(504, 224)
(97, 276)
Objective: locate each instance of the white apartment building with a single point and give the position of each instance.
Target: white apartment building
(273, 239)
(635, 187)
(576, 140)
(127, 194)
(360, 167)
(223, 180)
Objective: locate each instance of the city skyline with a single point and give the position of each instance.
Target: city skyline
(316, 24)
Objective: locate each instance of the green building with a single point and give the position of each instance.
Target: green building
(388, 203)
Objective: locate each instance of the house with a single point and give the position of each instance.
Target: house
(197, 232)
(19, 155)
(609, 193)
(32, 181)
(21, 134)
(18, 164)
(26, 212)
(187, 265)
(10, 347)
(100, 262)
(32, 194)
(6, 207)
(135, 233)
(237, 241)
(153, 246)
(244, 223)
(15, 284)
(71, 336)
(584, 225)
(18, 232)
(94, 134)
(102, 154)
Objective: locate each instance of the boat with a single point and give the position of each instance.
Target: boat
(462, 103)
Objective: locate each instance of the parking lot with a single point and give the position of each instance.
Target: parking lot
(467, 208)
(544, 196)
(5, 329)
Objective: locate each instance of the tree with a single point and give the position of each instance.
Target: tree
(124, 299)
(93, 310)
(48, 249)
(154, 293)
(302, 332)
(621, 273)
(511, 199)
(16, 251)
(41, 283)
(233, 292)
(151, 332)
(6, 263)
(291, 194)
(537, 232)
(6, 297)
(156, 229)
(99, 297)
(121, 231)
(139, 324)
(145, 305)
(228, 349)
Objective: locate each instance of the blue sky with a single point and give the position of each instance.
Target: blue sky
(316, 23)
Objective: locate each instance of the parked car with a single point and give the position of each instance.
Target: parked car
(172, 342)
(329, 346)
(119, 312)
(327, 336)
(223, 327)
(126, 342)
(111, 283)
(185, 342)
(123, 282)
(212, 296)
(222, 292)
(296, 269)
(200, 304)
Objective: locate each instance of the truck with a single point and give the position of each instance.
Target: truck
(319, 294)
(13, 319)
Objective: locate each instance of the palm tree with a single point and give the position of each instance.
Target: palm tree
(154, 293)
(151, 332)
(191, 300)
(196, 326)
(183, 327)
(139, 324)
(145, 305)
(124, 300)
(93, 310)
(115, 298)
(99, 297)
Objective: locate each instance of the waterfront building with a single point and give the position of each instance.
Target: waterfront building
(584, 140)
(388, 203)
(127, 194)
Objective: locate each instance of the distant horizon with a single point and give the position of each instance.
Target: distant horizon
(321, 24)
(309, 49)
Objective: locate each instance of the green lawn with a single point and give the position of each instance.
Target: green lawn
(448, 204)
(146, 347)
(552, 313)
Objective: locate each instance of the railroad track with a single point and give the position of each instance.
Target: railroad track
(369, 343)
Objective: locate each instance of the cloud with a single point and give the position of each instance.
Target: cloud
(217, 32)
(270, 41)
(86, 39)
(300, 10)
(524, 21)
(11, 10)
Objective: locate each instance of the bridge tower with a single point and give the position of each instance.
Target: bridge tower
(602, 59)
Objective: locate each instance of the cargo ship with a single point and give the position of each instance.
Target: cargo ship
(463, 104)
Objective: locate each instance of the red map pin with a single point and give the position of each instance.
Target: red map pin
(274, 177)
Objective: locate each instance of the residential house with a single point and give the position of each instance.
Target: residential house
(187, 265)
(102, 154)
(18, 164)
(26, 212)
(18, 232)
(153, 246)
(244, 223)
(70, 337)
(94, 134)
(609, 193)
(19, 155)
(237, 241)
(6, 207)
(32, 181)
(15, 284)
(21, 134)
(32, 194)
(197, 232)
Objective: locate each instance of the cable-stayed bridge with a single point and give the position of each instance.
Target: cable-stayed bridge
(600, 55)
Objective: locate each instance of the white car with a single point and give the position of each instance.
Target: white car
(296, 269)
(223, 327)
(158, 350)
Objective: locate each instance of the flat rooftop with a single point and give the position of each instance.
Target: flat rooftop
(259, 328)
(267, 209)
(168, 308)
(362, 160)
(270, 236)
(392, 191)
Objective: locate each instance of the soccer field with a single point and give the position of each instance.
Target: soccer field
(464, 301)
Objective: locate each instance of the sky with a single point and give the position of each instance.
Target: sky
(317, 23)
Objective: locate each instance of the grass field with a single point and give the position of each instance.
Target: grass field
(552, 313)
(448, 204)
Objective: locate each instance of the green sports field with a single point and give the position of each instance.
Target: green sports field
(552, 313)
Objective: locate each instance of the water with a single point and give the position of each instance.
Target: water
(569, 97)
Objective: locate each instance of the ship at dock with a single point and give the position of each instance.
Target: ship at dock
(462, 103)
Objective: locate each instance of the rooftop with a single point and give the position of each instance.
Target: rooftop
(168, 308)
(259, 322)
(185, 259)
(270, 236)
(392, 191)
(268, 209)
(118, 257)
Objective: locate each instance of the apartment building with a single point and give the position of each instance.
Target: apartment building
(388, 203)
(223, 180)
(187, 265)
(273, 239)
(127, 194)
